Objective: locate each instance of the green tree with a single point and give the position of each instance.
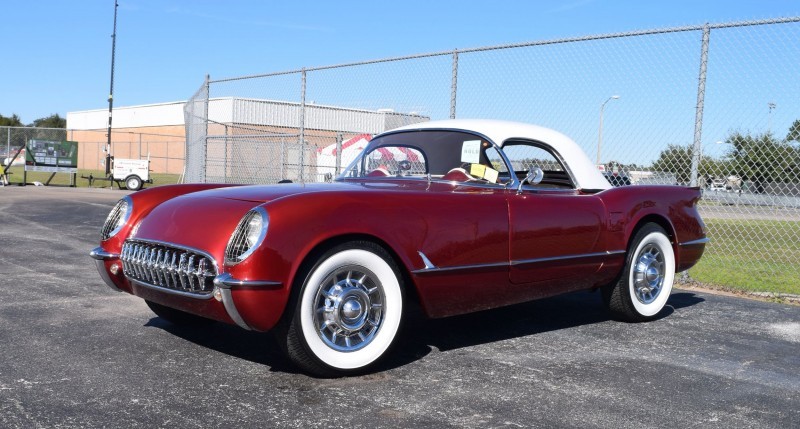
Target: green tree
(794, 132)
(52, 121)
(10, 121)
(677, 160)
(762, 159)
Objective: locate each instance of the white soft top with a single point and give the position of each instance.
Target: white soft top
(585, 172)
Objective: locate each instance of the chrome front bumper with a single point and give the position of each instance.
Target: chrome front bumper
(222, 285)
(100, 256)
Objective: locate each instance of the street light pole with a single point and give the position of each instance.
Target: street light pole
(600, 130)
(771, 106)
(111, 90)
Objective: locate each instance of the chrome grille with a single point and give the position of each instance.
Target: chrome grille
(167, 266)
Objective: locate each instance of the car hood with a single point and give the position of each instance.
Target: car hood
(266, 193)
(204, 220)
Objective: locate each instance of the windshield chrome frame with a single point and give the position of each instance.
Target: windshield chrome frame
(513, 183)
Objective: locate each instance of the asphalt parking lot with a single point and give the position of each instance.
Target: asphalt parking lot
(76, 354)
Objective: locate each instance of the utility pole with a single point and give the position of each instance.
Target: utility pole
(600, 128)
(771, 105)
(111, 90)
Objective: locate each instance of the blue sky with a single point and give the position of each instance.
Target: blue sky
(57, 53)
(57, 58)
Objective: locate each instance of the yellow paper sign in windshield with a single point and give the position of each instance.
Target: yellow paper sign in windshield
(477, 170)
(484, 172)
(491, 175)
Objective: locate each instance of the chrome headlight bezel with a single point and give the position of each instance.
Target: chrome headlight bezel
(117, 218)
(247, 236)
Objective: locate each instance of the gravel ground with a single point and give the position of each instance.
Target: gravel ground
(76, 354)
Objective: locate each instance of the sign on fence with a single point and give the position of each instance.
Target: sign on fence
(51, 156)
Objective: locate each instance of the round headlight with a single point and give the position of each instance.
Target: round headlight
(247, 236)
(254, 230)
(117, 218)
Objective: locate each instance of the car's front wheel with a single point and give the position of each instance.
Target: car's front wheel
(646, 282)
(348, 311)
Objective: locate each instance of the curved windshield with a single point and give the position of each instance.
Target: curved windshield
(434, 153)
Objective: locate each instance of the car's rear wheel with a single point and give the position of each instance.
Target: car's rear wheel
(177, 317)
(646, 282)
(347, 312)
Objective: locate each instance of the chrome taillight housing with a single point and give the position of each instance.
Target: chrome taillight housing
(117, 218)
(247, 236)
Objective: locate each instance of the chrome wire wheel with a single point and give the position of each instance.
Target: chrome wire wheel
(348, 308)
(648, 274)
(645, 284)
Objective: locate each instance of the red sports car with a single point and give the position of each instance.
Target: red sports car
(458, 216)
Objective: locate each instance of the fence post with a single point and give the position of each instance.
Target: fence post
(454, 85)
(205, 135)
(225, 158)
(302, 124)
(339, 139)
(697, 150)
(283, 158)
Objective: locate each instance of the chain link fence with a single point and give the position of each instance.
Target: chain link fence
(13, 138)
(715, 106)
(165, 151)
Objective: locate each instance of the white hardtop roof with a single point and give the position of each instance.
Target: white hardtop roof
(584, 171)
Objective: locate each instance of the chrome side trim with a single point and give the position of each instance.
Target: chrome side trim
(230, 307)
(518, 262)
(703, 240)
(226, 281)
(171, 291)
(460, 267)
(101, 268)
(428, 264)
(567, 257)
(101, 255)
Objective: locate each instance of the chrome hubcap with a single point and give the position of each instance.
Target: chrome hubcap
(349, 308)
(648, 274)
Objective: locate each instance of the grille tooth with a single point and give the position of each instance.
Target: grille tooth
(181, 270)
(201, 271)
(189, 272)
(139, 259)
(157, 268)
(166, 266)
(151, 258)
(172, 268)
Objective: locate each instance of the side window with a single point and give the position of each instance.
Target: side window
(524, 155)
(397, 160)
(495, 160)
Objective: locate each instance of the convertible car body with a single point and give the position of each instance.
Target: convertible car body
(459, 216)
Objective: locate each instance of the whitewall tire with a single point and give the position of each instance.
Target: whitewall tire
(348, 311)
(646, 282)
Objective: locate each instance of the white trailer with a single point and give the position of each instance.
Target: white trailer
(134, 172)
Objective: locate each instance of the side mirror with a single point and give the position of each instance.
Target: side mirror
(534, 177)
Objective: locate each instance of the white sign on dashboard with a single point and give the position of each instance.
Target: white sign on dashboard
(471, 151)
